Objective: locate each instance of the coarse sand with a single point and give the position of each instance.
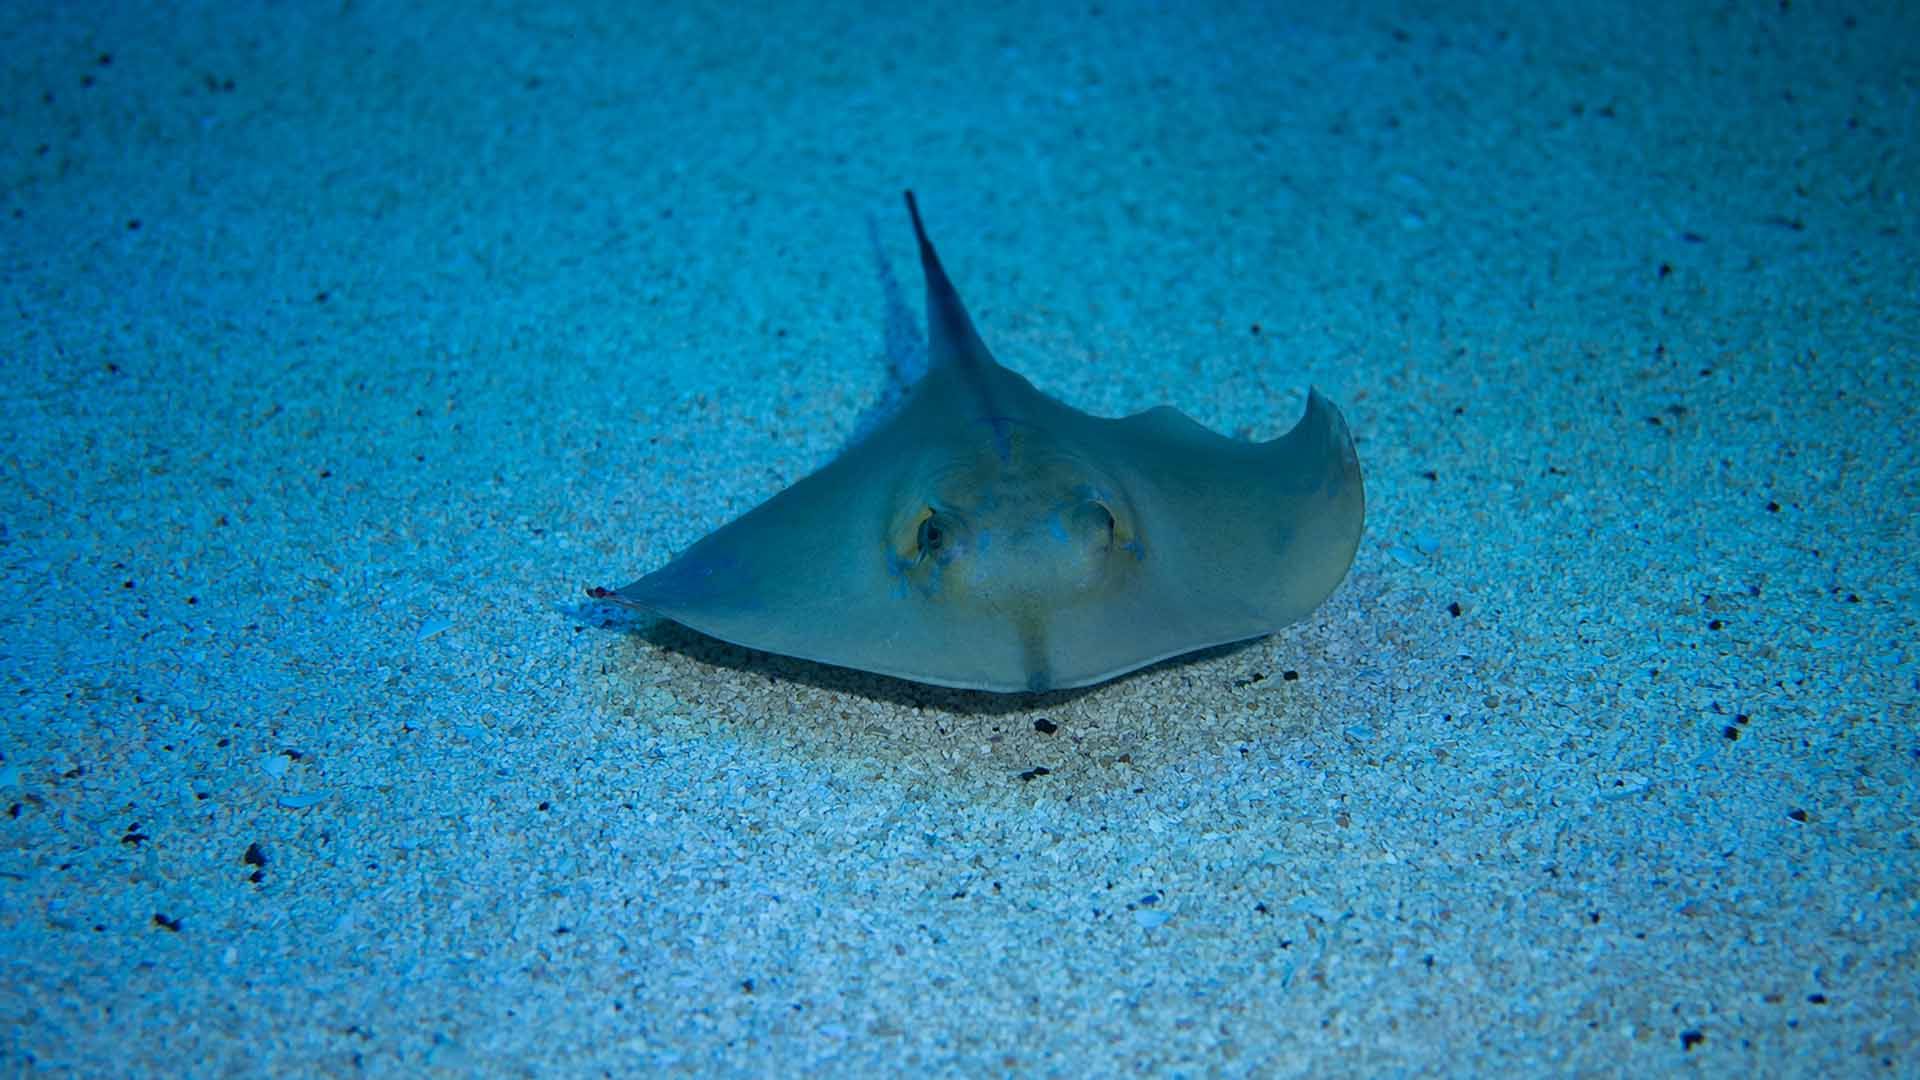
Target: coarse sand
(347, 343)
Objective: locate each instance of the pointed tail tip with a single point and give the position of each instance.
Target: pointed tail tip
(913, 210)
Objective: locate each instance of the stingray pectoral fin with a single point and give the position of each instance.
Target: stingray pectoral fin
(1281, 520)
(775, 571)
(1236, 539)
(805, 574)
(829, 603)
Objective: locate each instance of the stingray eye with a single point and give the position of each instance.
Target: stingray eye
(1093, 521)
(932, 536)
(929, 535)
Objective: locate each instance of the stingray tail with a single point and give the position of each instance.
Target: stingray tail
(951, 338)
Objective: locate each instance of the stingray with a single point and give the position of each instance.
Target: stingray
(989, 537)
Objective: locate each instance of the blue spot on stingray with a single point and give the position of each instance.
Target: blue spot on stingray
(901, 571)
(934, 573)
(897, 570)
(1056, 528)
(1133, 546)
(1002, 427)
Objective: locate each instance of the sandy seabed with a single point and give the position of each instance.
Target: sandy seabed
(347, 343)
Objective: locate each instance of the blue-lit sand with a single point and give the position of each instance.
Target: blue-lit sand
(348, 343)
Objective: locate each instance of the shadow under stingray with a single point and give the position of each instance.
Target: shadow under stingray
(674, 637)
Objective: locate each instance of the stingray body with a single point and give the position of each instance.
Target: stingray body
(991, 538)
